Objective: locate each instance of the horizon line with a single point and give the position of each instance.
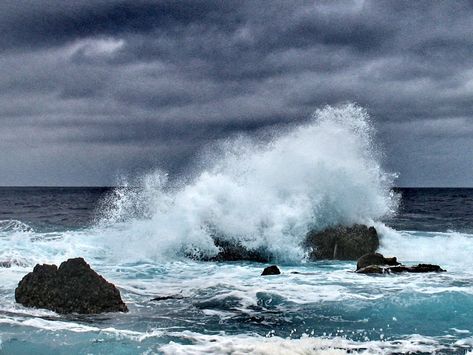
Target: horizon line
(115, 186)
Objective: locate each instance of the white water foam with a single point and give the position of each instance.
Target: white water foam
(445, 248)
(245, 344)
(267, 195)
(197, 343)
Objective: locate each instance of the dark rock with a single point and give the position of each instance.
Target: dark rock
(73, 287)
(371, 269)
(342, 243)
(165, 298)
(421, 268)
(425, 268)
(234, 251)
(271, 270)
(375, 259)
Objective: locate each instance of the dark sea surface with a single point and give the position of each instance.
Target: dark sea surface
(59, 208)
(51, 208)
(227, 307)
(434, 209)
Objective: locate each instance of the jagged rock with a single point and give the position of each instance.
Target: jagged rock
(421, 268)
(72, 288)
(375, 259)
(271, 270)
(342, 243)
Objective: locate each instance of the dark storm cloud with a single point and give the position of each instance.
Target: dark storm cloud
(52, 22)
(92, 88)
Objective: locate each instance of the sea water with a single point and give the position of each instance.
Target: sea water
(146, 237)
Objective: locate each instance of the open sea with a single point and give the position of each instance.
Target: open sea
(268, 196)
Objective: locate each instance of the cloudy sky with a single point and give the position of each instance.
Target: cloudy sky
(91, 89)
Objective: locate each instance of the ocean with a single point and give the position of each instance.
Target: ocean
(265, 195)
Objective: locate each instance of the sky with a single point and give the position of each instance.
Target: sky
(91, 90)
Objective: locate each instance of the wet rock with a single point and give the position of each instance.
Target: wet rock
(271, 270)
(235, 251)
(421, 268)
(342, 243)
(371, 269)
(375, 259)
(72, 288)
(168, 297)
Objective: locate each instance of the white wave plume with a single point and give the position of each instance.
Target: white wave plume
(265, 195)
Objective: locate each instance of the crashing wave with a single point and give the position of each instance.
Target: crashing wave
(265, 195)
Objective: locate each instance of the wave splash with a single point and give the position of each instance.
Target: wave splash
(13, 226)
(264, 195)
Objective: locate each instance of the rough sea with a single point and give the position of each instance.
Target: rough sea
(263, 194)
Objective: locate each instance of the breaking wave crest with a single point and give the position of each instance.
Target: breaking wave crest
(13, 226)
(264, 195)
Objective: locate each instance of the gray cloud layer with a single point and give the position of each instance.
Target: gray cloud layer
(92, 89)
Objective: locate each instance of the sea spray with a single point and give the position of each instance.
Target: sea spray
(450, 249)
(320, 173)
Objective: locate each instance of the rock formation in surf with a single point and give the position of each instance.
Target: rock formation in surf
(234, 251)
(72, 288)
(375, 259)
(377, 264)
(271, 270)
(342, 243)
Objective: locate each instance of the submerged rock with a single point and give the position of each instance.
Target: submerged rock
(271, 270)
(72, 288)
(375, 259)
(371, 269)
(342, 243)
(378, 269)
(168, 297)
